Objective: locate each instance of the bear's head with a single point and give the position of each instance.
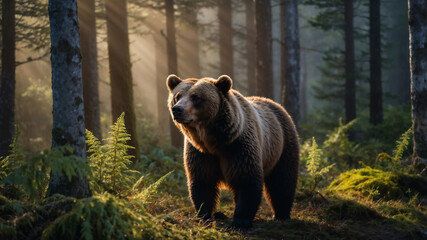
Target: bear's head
(196, 101)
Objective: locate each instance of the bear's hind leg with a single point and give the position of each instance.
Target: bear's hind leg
(280, 186)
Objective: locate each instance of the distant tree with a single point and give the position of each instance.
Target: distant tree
(7, 87)
(350, 74)
(225, 37)
(120, 68)
(418, 60)
(376, 93)
(68, 114)
(250, 47)
(290, 58)
(177, 139)
(189, 36)
(264, 71)
(87, 20)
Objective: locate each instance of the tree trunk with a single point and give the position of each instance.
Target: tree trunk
(68, 114)
(290, 58)
(162, 92)
(177, 139)
(86, 11)
(190, 46)
(375, 106)
(225, 38)
(120, 68)
(303, 88)
(7, 87)
(350, 78)
(250, 47)
(418, 63)
(264, 70)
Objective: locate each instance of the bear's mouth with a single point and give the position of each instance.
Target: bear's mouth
(182, 120)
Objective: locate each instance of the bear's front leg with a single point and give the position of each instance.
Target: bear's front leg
(203, 176)
(247, 197)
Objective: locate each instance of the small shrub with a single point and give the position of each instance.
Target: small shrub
(393, 163)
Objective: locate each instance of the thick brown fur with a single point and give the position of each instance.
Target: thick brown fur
(244, 143)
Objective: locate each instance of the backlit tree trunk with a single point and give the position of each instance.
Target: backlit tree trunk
(225, 38)
(350, 78)
(7, 87)
(177, 140)
(68, 114)
(264, 70)
(120, 68)
(376, 105)
(86, 11)
(161, 74)
(418, 63)
(190, 45)
(250, 47)
(290, 58)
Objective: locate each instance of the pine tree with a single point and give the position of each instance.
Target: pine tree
(68, 115)
(177, 139)
(86, 11)
(264, 71)
(7, 87)
(418, 59)
(290, 58)
(225, 37)
(120, 68)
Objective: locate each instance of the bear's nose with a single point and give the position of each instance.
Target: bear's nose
(176, 110)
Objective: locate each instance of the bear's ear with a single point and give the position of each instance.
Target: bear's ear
(172, 81)
(224, 83)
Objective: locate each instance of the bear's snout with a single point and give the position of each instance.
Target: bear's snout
(177, 110)
(179, 115)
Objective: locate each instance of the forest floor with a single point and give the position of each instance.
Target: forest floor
(327, 216)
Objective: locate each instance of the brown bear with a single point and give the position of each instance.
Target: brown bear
(245, 144)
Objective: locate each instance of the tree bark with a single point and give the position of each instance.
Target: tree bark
(68, 114)
(350, 78)
(375, 106)
(290, 58)
(120, 68)
(177, 139)
(86, 11)
(264, 70)
(7, 87)
(225, 38)
(250, 47)
(418, 63)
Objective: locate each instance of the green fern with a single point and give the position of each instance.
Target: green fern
(110, 162)
(33, 176)
(393, 163)
(15, 159)
(314, 165)
(401, 146)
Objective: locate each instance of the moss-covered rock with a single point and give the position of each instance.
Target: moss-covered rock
(379, 184)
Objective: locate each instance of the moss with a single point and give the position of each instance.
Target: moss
(379, 184)
(347, 209)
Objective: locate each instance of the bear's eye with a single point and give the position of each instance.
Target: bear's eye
(178, 96)
(195, 98)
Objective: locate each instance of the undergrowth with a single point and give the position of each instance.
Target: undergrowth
(148, 199)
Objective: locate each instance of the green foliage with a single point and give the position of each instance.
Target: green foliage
(14, 159)
(316, 165)
(158, 163)
(110, 162)
(349, 209)
(32, 176)
(393, 163)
